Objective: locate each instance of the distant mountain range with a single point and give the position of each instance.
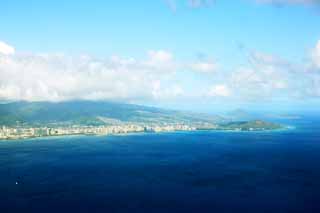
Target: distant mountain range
(93, 113)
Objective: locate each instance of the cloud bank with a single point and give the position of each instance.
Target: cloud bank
(316, 55)
(58, 77)
(159, 76)
(6, 49)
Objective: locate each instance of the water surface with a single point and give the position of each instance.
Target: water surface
(169, 172)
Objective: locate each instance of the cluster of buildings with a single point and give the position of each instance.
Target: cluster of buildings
(29, 132)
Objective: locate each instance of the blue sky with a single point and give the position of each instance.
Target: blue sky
(190, 50)
(131, 27)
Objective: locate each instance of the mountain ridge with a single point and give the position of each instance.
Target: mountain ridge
(92, 113)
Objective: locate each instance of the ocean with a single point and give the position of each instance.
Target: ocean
(205, 171)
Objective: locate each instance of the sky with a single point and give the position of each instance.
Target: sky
(200, 55)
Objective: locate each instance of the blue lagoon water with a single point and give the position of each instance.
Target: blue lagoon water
(170, 172)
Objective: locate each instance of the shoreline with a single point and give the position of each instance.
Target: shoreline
(286, 128)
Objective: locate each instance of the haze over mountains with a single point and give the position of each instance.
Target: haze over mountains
(92, 113)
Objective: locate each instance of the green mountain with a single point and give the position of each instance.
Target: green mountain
(91, 113)
(250, 125)
(239, 115)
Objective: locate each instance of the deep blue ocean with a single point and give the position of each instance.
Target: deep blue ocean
(201, 172)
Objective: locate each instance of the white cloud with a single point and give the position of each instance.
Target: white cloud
(316, 55)
(160, 56)
(164, 92)
(271, 77)
(220, 90)
(204, 66)
(52, 77)
(6, 49)
(160, 60)
(259, 82)
(158, 76)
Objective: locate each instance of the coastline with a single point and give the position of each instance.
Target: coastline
(47, 137)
